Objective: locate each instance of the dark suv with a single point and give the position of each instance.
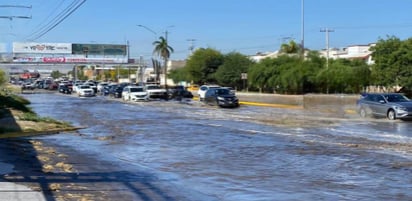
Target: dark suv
(178, 92)
(222, 97)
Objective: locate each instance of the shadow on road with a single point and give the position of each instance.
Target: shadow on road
(7, 122)
(58, 184)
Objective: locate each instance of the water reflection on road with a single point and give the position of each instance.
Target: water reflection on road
(249, 153)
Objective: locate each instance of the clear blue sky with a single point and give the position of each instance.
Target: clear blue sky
(245, 26)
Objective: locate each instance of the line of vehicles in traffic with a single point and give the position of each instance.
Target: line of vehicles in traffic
(213, 95)
(390, 105)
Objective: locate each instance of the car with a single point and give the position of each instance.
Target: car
(179, 92)
(193, 87)
(232, 90)
(221, 97)
(390, 105)
(115, 91)
(101, 86)
(28, 85)
(92, 85)
(85, 90)
(64, 89)
(107, 89)
(155, 91)
(202, 90)
(135, 93)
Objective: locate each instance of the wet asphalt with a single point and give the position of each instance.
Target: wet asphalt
(188, 151)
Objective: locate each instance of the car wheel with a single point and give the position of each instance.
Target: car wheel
(391, 115)
(363, 113)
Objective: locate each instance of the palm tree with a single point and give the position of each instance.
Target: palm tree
(163, 50)
(291, 48)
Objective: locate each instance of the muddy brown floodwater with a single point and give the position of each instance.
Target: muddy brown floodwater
(187, 151)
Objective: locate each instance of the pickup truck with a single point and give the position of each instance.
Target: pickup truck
(155, 91)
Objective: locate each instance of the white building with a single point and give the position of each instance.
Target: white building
(350, 52)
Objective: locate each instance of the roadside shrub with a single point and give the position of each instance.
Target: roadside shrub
(15, 102)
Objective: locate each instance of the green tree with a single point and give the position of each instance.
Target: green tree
(260, 73)
(179, 74)
(80, 72)
(360, 76)
(229, 73)
(163, 50)
(393, 62)
(311, 66)
(2, 77)
(56, 74)
(203, 64)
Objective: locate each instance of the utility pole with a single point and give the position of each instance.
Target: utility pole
(11, 17)
(327, 31)
(192, 46)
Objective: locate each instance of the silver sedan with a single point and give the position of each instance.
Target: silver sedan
(390, 105)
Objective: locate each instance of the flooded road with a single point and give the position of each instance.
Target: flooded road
(249, 153)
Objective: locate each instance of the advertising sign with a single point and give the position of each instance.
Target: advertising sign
(99, 49)
(42, 48)
(106, 60)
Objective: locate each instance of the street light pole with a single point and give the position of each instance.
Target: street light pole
(155, 35)
(166, 39)
(303, 29)
(147, 28)
(166, 59)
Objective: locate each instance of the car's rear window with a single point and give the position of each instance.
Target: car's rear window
(136, 89)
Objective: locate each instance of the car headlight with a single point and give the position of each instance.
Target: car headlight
(220, 98)
(401, 109)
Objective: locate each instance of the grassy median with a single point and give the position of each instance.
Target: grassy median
(17, 119)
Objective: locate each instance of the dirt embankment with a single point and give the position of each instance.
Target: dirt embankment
(14, 124)
(17, 119)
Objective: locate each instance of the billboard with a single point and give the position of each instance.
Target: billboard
(99, 49)
(70, 59)
(42, 48)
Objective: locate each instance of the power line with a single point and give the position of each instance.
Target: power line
(44, 22)
(57, 20)
(375, 26)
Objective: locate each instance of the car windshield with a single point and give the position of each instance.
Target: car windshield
(136, 89)
(396, 98)
(222, 91)
(153, 87)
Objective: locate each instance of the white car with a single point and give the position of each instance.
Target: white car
(202, 90)
(101, 86)
(155, 91)
(135, 93)
(92, 85)
(85, 90)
